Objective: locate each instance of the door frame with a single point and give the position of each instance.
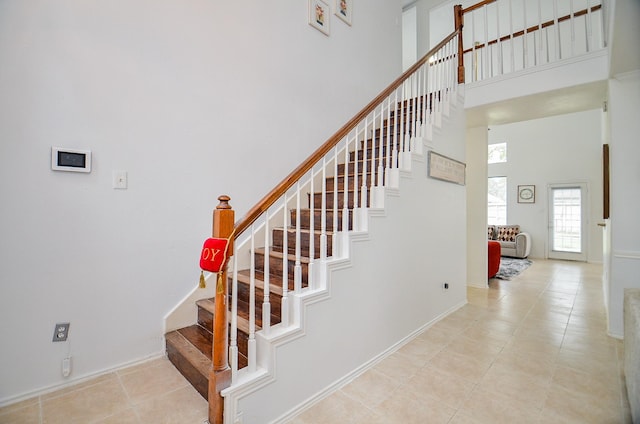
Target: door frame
(584, 222)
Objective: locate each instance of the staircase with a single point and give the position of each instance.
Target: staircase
(288, 245)
(190, 348)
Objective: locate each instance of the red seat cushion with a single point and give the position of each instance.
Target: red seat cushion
(494, 258)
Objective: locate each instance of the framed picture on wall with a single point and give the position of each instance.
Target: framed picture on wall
(344, 10)
(319, 13)
(526, 194)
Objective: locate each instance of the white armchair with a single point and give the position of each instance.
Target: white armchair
(512, 242)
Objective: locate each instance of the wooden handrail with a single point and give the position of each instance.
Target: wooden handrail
(299, 172)
(531, 28)
(477, 6)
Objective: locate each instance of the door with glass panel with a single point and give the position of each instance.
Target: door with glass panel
(568, 222)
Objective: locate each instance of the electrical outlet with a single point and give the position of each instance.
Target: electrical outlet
(61, 332)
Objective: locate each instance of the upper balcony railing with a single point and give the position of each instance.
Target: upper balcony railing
(505, 36)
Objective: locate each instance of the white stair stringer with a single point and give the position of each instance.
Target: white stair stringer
(267, 345)
(434, 132)
(285, 381)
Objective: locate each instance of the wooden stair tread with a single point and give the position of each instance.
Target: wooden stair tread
(243, 322)
(210, 305)
(182, 344)
(189, 360)
(244, 276)
(302, 230)
(207, 304)
(280, 255)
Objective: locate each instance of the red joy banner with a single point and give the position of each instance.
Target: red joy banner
(214, 254)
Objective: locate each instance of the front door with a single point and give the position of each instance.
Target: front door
(567, 222)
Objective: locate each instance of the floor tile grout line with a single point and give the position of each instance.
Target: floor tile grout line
(133, 407)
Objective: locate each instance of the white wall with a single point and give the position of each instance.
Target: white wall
(430, 21)
(193, 100)
(409, 38)
(398, 291)
(441, 22)
(560, 149)
(624, 104)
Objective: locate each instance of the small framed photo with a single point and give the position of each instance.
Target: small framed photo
(344, 10)
(319, 15)
(526, 194)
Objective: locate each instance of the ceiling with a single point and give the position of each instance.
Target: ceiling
(567, 100)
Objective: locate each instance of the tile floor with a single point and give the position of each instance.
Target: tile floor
(154, 392)
(530, 350)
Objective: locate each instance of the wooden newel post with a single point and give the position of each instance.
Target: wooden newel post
(459, 23)
(220, 374)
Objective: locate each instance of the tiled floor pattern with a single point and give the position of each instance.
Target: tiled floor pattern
(151, 393)
(530, 350)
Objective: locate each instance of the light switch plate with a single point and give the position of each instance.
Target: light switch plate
(120, 179)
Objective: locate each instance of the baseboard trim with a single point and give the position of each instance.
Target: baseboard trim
(78, 380)
(338, 384)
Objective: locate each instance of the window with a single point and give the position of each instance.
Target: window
(497, 153)
(497, 201)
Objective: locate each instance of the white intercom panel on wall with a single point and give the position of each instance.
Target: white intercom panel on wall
(73, 160)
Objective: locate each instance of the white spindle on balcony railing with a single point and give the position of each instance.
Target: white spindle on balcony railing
(534, 32)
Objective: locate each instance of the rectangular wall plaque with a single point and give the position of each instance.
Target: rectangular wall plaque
(446, 169)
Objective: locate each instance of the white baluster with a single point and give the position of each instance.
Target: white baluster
(311, 280)
(394, 151)
(437, 93)
(557, 26)
(284, 302)
(485, 58)
(573, 29)
(423, 104)
(525, 43)
(251, 344)
(380, 182)
(297, 269)
(335, 208)
(356, 217)
(511, 43)
(266, 302)
(377, 182)
(345, 203)
(363, 189)
(539, 50)
(323, 212)
(233, 339)
(415, 81)
(387, 134)
(373, 169)
(446, 69)
(588, 28)
(498, 40)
